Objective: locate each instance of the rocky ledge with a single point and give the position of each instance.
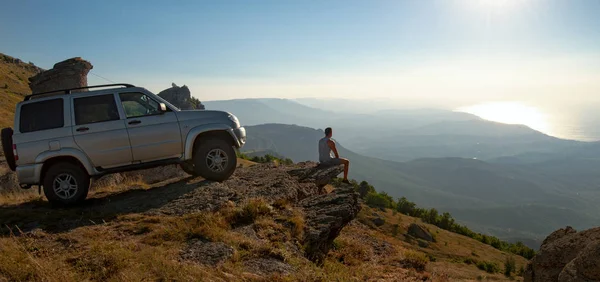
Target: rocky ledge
(302, 184)
(567, 255)
(266, 181)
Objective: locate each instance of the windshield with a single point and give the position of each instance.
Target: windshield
(169, 105)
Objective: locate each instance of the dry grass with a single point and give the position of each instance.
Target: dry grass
(15, 197)
(16, 78)
(140, 247)
(450, 252)
(20, 196)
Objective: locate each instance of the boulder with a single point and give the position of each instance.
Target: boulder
(326, 215)
(318, 174)
(180, 97)
(420, 232)
(267, 266)
(378, 221)
(71, 73)
(567, 255)
(208, 253)
(422, 243)
(585, 267)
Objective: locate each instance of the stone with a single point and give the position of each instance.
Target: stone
(378, 221)
(326, 215)
(585, 267)
(70, 73)
(558, 234)
(567, 255)
(422, 243)
(208, 253)
(266, 266)
(318, 174)
(420, 232)
(180, 97)
(248, 231)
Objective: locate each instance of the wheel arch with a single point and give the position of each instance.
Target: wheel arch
(197, 134)
(49, 161)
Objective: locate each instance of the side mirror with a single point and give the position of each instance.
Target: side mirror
(163, 107)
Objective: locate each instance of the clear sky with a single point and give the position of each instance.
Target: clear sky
(444, 51)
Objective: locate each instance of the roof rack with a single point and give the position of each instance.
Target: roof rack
(68, 91)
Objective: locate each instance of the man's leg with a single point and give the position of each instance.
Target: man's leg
(346, 163)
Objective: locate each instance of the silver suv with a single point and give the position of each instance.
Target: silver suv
(62, 140)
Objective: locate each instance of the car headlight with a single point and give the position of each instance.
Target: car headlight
(234, 119)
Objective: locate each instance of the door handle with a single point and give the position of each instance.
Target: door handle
(135, 122)
(81, 129)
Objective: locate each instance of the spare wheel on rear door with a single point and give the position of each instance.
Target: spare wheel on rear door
(7, 147)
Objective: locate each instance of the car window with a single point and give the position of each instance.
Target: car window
(138, 104)
(41, 115)
(94, 109)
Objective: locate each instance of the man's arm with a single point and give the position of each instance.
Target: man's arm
(332, 146)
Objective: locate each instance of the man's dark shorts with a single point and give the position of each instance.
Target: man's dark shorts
(333, 161)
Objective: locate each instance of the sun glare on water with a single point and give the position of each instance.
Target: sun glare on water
(511, 113)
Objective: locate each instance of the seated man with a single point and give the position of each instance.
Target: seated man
(326, 145)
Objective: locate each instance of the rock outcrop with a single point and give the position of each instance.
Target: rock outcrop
(267, 181)
(420, 232)
(181, 97)
(71, 73)
(326, 215)
(567, 255)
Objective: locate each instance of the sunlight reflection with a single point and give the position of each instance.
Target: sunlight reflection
(511, 113)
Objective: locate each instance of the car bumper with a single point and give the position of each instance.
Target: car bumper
(29, 174)
(239, 136)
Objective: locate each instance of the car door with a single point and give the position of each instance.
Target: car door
(154, 134)
(100, 132)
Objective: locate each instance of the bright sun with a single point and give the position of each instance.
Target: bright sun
(511, 113)
(497, 4)
(496, 7)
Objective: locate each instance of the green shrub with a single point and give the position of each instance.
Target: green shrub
(509, 266)
(379, 200)
(432, 216)
(489, 267)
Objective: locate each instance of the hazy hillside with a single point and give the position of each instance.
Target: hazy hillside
(14, 84)
(454, 184)
(400, 135)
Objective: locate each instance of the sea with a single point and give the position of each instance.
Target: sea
(580, 122)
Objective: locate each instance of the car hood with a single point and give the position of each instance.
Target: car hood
(214, 116)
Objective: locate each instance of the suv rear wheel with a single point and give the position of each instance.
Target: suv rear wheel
(66, 184)
(215, 159)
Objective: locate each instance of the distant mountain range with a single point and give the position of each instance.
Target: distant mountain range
(402, 135)
(510, 200)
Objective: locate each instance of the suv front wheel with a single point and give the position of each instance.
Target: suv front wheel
(66, 184)
(215, 159)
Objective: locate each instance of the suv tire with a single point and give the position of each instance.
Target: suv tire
(66, 184)
(215, 159)
(7, 147)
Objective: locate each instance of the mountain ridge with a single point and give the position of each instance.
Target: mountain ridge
(446, 183)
